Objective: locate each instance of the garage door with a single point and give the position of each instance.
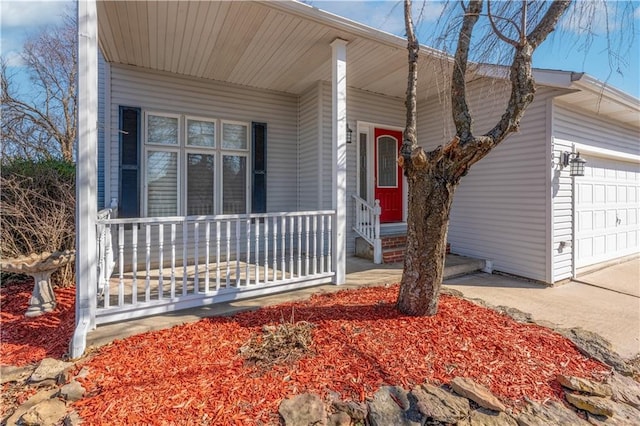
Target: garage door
(607, 210)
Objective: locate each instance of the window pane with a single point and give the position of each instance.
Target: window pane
(162, 130)
(200, 184)
(234, 179)
(387, 166)
(162, 183)
(201, 133)
(234, 136)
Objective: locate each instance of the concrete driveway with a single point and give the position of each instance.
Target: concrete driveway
(623, 277)
(613, 313)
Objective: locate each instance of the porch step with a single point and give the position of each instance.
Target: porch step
(393, 248)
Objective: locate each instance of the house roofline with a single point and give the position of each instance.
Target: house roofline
(569, 80)
(341, 23)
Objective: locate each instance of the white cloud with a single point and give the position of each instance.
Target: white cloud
(594, 17)
(30, 14)
(13, 59)
(19, 19)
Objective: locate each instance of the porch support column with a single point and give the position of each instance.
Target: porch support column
(339, 155)
(86, 179)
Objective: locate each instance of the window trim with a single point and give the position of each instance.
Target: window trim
(162, 114)
(215, 122)
(183, 149)
(246, 124)
(247, 182)
(145, 199)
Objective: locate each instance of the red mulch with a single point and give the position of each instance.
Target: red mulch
(194, 374)
(28, 340)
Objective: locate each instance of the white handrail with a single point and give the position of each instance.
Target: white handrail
(367, 225)
(106, 261)
(164, 263)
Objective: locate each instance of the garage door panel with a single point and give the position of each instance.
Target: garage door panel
(607, 211)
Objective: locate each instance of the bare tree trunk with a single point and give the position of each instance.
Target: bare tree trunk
(430, 198)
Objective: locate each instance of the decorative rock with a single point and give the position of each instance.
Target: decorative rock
(303, 410)
(339, 419)
(83, 373)
(484, 417)
(440, 405)
(595, 346)
(624, 415)
(552, 413)
(354, 410)
(584, 385)
(515, 314)
(10, 373)
(625, 390)
(72, 391)
(46, 413)
(477, 393)
(390, 406)
(31, 402)
(72, 419)
(592, 404)
(50, 369)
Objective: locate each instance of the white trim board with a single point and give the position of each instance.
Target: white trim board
(600, 152)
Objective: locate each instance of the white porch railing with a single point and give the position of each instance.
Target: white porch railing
(106, 261)
(171, 263)
(367, 225)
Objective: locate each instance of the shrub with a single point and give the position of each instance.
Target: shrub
(38, 210)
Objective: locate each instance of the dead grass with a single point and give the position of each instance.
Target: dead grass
(281, 344)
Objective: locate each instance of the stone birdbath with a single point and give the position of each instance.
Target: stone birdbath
(40, 267)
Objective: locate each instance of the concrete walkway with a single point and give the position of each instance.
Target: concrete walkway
(613, 315)
(623, 277)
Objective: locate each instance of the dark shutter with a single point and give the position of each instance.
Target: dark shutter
(129, 191)
(259, 165)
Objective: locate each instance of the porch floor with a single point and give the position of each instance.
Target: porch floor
(360, 273)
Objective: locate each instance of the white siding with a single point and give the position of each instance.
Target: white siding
(177, 94)
(500, 208)
(587, 129)
(361, 106)
(309, 172)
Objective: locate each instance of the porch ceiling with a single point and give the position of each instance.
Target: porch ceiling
(282, 46)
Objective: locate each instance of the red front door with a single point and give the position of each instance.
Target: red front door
(388, 175)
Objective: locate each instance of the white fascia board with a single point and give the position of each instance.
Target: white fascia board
(543, 77)
(600, 152)
(587, 83)
(347, 25)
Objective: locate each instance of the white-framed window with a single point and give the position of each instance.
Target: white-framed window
(235, 167)
(195, 165)
(162, 165)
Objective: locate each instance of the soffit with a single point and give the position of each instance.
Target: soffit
(254, 44)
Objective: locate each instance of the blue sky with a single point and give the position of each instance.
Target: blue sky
(565, 50)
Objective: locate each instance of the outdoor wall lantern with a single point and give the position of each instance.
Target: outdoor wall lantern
(349, 134)
(575, 163)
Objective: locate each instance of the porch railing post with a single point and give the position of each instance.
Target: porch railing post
(377, 241)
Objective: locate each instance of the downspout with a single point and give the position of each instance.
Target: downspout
(86, 178)
(573, 222)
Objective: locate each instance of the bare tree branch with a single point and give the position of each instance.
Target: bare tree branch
(42, 123)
